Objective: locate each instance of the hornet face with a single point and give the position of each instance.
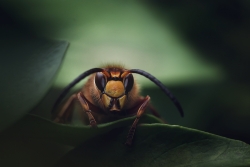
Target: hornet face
(114, 86)
(110, 91)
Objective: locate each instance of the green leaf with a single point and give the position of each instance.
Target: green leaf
(28, 65)
(34, 141)
(155, 144)
(160, 145)
(38, 128)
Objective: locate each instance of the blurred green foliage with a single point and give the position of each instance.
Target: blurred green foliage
(28, 65)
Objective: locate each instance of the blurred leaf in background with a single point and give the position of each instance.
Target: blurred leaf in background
(28, 65)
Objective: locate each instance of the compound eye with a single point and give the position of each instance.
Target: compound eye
(100, 81)
(128, 82)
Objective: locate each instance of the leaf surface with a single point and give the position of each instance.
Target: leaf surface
(35, 141)
(160, 145)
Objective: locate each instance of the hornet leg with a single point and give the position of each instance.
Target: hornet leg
(66, 112)
(85, 107)
(138, 115)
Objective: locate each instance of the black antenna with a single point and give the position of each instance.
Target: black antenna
(163, 88)
(73, 83)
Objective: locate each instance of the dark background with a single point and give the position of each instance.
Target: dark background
(220, 30)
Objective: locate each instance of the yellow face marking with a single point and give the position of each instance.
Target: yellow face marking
(115, 88)
(124, 74)
(115, 74)
(106, 100)
(122, 100)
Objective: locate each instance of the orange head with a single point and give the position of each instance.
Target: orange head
(114, 85)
